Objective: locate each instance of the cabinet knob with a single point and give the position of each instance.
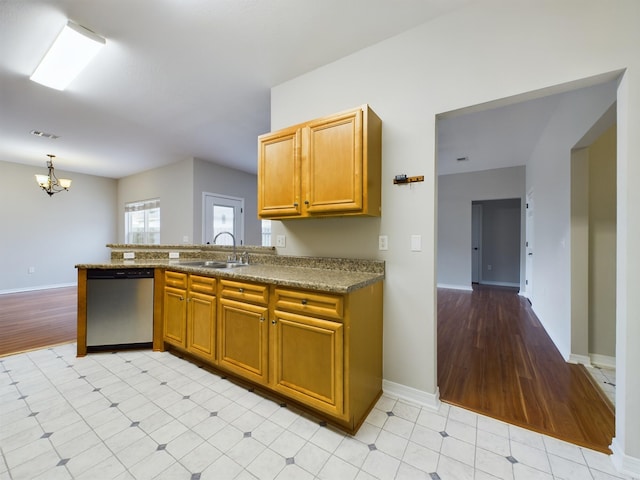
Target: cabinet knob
(273, 322)
(262, 319)
(295, 204)
(304, 301)
(306, 202)
(181, 298)
(241, 290)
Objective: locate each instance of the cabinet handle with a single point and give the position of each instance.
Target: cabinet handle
(241, 290)
(304, 301)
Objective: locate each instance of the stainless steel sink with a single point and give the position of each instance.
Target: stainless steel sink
(214, 264)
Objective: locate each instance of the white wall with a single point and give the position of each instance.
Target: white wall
(549, 175)
(455, 194)
(212, 178)
(52, 234)
(173, 185)
(602, 245)
(486, 51)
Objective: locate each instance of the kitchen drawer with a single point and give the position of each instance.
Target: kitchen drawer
(206, 285)
(245, 292)
(310, 303)
(175, 279)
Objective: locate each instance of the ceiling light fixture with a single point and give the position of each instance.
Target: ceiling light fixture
(50, 183)
(72, 50)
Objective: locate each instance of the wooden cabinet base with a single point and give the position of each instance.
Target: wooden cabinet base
(348, 425)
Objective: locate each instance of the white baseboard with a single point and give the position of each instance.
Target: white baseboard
(431, 400)
(455, 287)
(624, 463)
(40, 287)
(500, 284)
(580, 359)
(605, 361)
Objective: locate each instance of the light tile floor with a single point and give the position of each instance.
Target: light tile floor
(606, 378)
(148, 415)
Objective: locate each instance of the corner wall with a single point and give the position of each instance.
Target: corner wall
(211, 178)
(173, 185)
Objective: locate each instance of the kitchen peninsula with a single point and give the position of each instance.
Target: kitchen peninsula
(304, 329)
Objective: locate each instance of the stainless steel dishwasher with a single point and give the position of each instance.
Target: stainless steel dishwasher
(119, 308)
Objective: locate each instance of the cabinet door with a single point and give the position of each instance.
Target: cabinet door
(201, 325)
(242, 339)
(308, 361)
(175, 316)
(279, 178)
(332, 155)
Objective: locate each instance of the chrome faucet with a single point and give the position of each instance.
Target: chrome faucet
(234, 257)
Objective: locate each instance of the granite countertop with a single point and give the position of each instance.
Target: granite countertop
(334, 275)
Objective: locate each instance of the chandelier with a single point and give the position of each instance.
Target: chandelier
(50, 183)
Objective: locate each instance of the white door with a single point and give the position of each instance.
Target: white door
(476, 242)
(529, 245)
(222, 213)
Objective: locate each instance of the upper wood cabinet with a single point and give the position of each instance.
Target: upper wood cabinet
(326, 167)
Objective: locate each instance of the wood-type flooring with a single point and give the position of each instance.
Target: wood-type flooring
(37, 319)
(495, 358)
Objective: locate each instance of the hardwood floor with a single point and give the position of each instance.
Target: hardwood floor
(495, 358)
(30, 320)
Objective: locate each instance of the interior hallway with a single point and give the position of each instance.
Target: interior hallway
(495, 358)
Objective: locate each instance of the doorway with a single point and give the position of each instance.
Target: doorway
(541, 151)
(496, 248)
(222, 213)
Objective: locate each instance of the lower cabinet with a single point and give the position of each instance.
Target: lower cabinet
(201, 317)
(243, 330)
(320, 350)
(175, 309)
(307, 357)
(190, 313)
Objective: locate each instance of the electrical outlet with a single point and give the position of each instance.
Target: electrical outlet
(281, 241)
(129, 255)
(31, 270)
(489, 267)
(383, 242)
(174, 254)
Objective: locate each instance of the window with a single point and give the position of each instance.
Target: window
(266, 233)
(142, 222)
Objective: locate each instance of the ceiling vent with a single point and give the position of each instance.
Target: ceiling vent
(44, 134)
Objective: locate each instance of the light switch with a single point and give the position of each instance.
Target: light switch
(416, 243)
